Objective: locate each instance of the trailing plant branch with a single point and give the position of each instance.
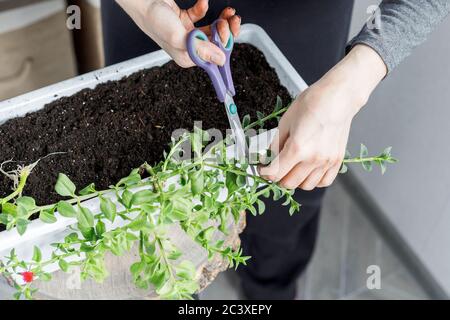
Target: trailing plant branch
(187, 192)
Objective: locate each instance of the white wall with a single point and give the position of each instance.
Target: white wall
(410, 111)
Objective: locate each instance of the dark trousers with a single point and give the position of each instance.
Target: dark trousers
(312, 34)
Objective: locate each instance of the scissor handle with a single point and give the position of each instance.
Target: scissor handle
(220, 76)
(225, 70)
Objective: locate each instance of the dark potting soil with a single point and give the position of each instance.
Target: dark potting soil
(107, 131)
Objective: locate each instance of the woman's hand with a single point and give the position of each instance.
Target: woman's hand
(313, 133)
(168, 26)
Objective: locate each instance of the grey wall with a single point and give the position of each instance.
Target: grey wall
(410, 111)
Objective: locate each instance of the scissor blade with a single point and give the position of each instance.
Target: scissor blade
(243, 153)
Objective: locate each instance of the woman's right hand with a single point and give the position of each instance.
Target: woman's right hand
(168, 26)
(312, 134)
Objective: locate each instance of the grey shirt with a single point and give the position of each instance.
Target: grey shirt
(399, 26)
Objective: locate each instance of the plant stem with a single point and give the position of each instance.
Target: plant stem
(266, 118)
(166, 260)
(358, 159)
(239, 172)
(172, 152)
(87, 197)
(23, 180)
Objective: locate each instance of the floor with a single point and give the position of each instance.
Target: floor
(347, 246)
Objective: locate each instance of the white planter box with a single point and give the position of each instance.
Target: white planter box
(42, 234)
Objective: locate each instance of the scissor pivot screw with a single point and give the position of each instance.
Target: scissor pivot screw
(233, 108)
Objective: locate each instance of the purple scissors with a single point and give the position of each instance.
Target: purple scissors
(222, 82)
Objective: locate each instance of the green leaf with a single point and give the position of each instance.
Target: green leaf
(6, 218)
(186, 270)
(178, 209)
(246, 121)
(166, 290)
(236, 214)
(387, 152)
(45, 277)
(131, 237)
(22, 225)
(261, 207)
(277, 194)
(241, 181)
(88, 233)
(188, 288)
(294, 208)
(158, 278)
(344, 168)
(66, 209)
(391, 160)
(64, 186)
(26, 202)
(85, 248)
(37, 254)
(22, 212)
(197, 181)
(85, 217)
(382, 166)
(126, 198)
(140, 224)
(207, 233)
(73, 237)
(150, 248)
(230, 182)
(132, 179)
(108, 208)
(149, 208)
(137, 268)
(63, 265)
(174, 255)
(363, 152)
(47, 216)
(9, 208)
(367, 165)
(87, 190)
(143, 196)
(279, 104)
(100, 228)
(223, 220)
(197, 142)
(259, 115)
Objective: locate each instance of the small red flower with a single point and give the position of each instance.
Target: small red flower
(28, 276)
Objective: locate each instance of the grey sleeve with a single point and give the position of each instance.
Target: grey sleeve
(401, 25)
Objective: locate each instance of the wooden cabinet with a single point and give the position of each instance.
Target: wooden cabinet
(36, 47)
(89, 39)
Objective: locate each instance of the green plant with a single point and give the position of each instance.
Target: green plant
(148, 201)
